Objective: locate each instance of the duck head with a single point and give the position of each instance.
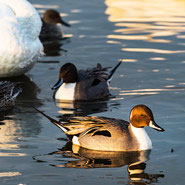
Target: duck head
(53, 17)
(141, 116)
(68, 74)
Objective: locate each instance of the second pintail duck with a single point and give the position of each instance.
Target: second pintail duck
(110, 134)
(52, 25)
(90, 84)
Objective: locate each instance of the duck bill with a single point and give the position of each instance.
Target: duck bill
(65, 23)
(153, 125)
(58, 84)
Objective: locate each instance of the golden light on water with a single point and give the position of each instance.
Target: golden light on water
(149, 91)
(146, 20)
(8, 139)
(152, 50)
(145, 10)
(9, 174)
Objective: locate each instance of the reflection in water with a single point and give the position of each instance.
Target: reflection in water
(54, 47)
(8, 142)
(85, 158)
(9, 174)
(30, 91)
(8, 145)
(84, 108)
(137, 174)
(19, 120)
(146, 21)
(150, 91)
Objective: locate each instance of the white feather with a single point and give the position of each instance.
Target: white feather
(142, 137)
(20, 46)
(75, 140)
(66, 91)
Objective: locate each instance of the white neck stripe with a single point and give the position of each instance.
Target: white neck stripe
(142, 137)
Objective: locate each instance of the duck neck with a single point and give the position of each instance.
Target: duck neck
(142, 137)
(66, 91)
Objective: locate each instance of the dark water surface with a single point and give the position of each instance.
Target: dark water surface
(149, 36)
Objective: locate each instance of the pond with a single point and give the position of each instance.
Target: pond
(150, 38)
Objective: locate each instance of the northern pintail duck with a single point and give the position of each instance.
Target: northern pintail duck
(20, 46)
(109, 134)
(90, 84)
(52, 25)
(8, 92)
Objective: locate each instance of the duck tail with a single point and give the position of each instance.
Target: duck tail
(113, 71)
(55, 122)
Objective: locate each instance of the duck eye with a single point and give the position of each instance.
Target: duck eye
(142, 115)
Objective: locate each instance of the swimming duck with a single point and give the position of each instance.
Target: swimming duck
(110, 134)
(87, 84)
(20, 46)
(8, 92)
(52, 25)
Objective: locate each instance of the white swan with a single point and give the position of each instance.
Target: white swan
(20, 47)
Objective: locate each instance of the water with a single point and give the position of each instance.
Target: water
(149, 36)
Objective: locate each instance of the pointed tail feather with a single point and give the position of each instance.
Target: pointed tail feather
(113, 70)
(55, 122)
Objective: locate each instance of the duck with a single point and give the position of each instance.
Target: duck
(109, 134)
(20, 46)
(52, 25)
(8, 93)
(85, 85)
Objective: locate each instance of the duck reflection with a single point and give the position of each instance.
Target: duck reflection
(53, 47)
(82, 108)
(138, 176)
(85, 158)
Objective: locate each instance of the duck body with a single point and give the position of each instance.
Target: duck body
(110, 134)
(119, 136)
(83, 89)
(51, 31)
(90, 84)
(8, 93)
(52, 25)
(20, 46)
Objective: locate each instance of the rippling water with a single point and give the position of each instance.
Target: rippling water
(149, 36)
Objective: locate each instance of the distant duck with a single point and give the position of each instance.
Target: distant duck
(90, 84)
(52, 25)
(20, 46)
(110, 134)
(8, 92)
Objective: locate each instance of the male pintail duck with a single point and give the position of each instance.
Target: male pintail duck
(87, 84)
(20, 46)
(52, 25)
(8, 92)
(109, 134)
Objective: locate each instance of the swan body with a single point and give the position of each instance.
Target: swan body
(20, 46)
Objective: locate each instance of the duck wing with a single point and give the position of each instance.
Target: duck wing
(92, 83)
(82, 126)
(92, 124)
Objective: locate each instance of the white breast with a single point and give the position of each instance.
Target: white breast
(66, 91)
(142, 137)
